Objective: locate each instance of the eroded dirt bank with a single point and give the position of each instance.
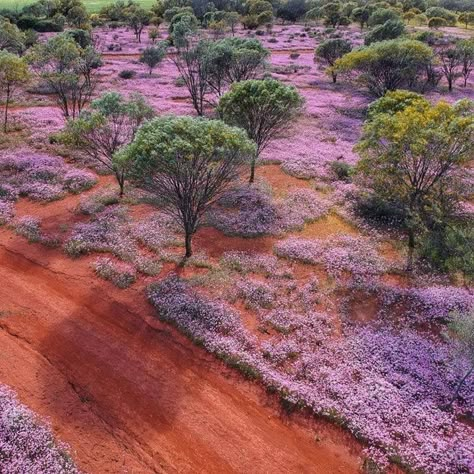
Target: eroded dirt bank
(130, 394)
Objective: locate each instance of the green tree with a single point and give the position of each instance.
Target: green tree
(412, 154)
(467, 18)
(332, 13)
(110, 125)
(388, 65)
(466, 54)
(331, 50)
(11, 38)
(450, 61)
(13, 73)
(138, 18)
(439, 12)
(380, 16)
(437, 22)
(67, 70)
(187, 163)
(153, 55)
(391, 29)
(462, 333)
(263, 108)
(361, 15)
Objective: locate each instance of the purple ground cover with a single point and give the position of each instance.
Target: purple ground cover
(385, 385)
(26, 444)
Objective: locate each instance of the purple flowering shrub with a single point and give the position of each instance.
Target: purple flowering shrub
(256, 294)
(111, 231)
(344, 253)
(6, 212)
(40, 177)
(250, 212)
(246, 262)
(118, 273)
(104, 233)
(26, 445)
(30, 228)
(386, 385)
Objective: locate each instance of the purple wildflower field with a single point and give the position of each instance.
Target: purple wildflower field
(271, 287)
(26, 444)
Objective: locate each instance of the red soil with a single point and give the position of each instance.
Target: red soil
(130, 394)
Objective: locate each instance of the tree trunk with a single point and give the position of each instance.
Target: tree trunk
(5, 119)
(121, 182)
(188, 241)
(450, 83)
(458, 388)
(411, 247)
(252, 171)
(334, 77)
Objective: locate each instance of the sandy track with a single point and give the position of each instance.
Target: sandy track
(130, 394)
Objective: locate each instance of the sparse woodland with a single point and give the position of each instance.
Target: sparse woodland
(288, 184)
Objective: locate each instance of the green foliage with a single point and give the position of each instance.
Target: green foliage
(391, 29)
(380, 16)
(413, 155)
(448, 245)
(153, 55)
(13, 73)
(361, 15)
(11, 38)
(437, 22)
(388, 65)
(466, 18)
(438, 12)
(262, 108)
(110, 125)
(465, 50)
(330, 50)
(187, 163)
(67, 69)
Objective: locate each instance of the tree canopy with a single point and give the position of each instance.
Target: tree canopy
(187, 163)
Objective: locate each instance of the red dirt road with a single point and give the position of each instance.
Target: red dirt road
(130, 394)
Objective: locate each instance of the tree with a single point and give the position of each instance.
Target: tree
(11, 38)
(462, 332)
(138, 18)
(388, 65)
(331, 50)
(153, 55)
(193, 70)
(209, 67)
(413, 153)
(110, 125)
(361, 15)
(153, 34)
(263, 108)
(292, 10)
(466, 54)
(13, 72)
(67, 70)
(391, 29)
(450, 62)
(187, 163)
(232, 19)
(380, 16)
(437, 22)
(439, 12)
(467, 18)
(332, 13)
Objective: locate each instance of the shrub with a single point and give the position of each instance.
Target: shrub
(389, 65)
(27, 445)
(341, 170)
(121, 275)
(127, 74)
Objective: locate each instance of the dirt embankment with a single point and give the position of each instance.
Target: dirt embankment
(132, 395)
